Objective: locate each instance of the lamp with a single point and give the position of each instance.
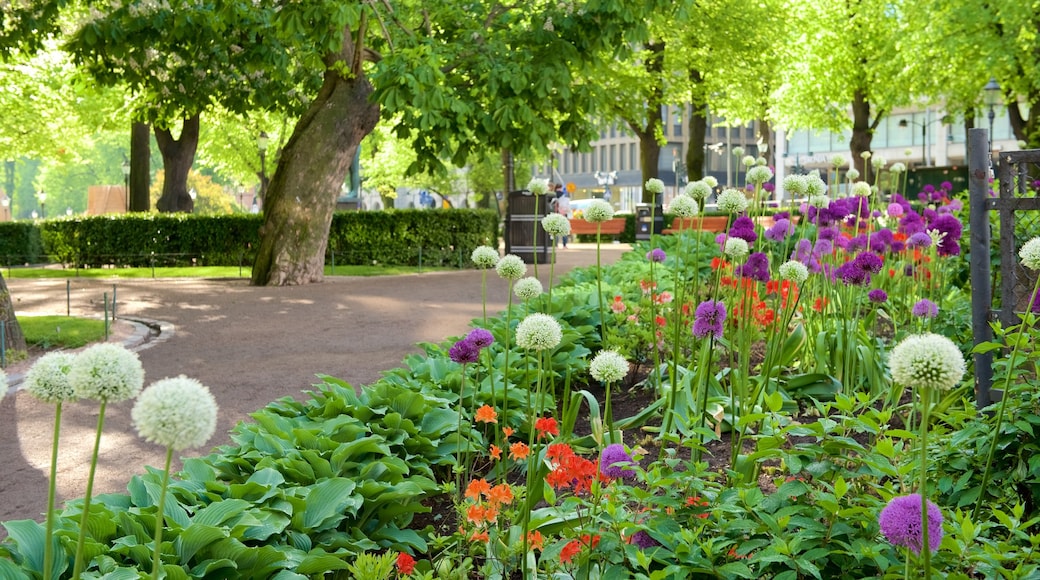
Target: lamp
(42, 196)
(5, 203)
(991, 97)
(924, 137)
(126, 182)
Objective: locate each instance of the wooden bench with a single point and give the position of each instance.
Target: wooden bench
(612, 227)
(704, 224)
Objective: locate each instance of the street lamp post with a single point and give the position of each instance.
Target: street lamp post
(991, 96)
(42, 196)
(924, 137)
(126, 183)
(6, 204)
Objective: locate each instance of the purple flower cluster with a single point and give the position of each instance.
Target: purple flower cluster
(877, 296)
(744, 229)
(616, 463)
(949, 244)
(709, 318)
(900, 523)
(781, 228)
(925, 308)
(919, 240)
(756, 267)
(643, 539)
(656, 255)
(857, 272)
(468, 349)
(930, 194)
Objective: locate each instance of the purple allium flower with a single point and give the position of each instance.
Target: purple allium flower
(744, 229)
(895, 210)
(877, 296)
(901, 523)
(919, 240)
(720, 239)
(897, 246)
(857, 243)
(480, 338)
(756, 267)
(769, 186)
(911, 223)
(782, 215)
(616, 463)
(656, 255)
(828, 234)
(925, 308)
(946, 186)
(851, 274)
(1035, 304)
(780, 229)
(929, 215)
(955, 205)
(464, 352)
(822, 248)
(709, 318)
(802, 251)
(869, 262)
(643, 540)
(949, 245)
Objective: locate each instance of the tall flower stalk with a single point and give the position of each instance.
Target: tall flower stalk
(107, 373)
(462, 352)
(598, 212)
(608, 367)
(538, 188)
(178, 413)
(510, 268)
(557, 226)
(484, 258)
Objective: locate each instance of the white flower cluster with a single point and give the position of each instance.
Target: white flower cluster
(897, 167)
(178, 413)
(698, 190)
(732, 201)
(878, 162)
(106, 372)
(852, 174)
(927, 361)
(556, 225)
(838, 160)
(711, 181)
(736, 248)
(1030, 254)
(759, 174)
(748, 160)
(608, 366)
(511, 267)
(814, 184)
(861, 189)
(795, 184)
(538, 186)
(48, 379)
(819, 201)
(683, 206)
(599, 211)
(654, 185)
(527, 288)
(794, 271)
(538, 332)
(484, 257)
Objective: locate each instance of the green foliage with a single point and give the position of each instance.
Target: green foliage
(20, 243)
(61, 331)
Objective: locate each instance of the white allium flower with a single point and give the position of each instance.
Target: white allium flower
(608, 366)
(878, 162)
(538, 332)
(711, 181)
(106, 372)
(48, 379)
(794, 271)
(852, 174)
(865, 155)
(484, 257)
(908, 152)
(838, 160)
(538, 186)
(927, 361)
(732, 201)
(761, 161)
(814, 184)
(736, 248)
(654, 185)
(738, 151)
(759, 174)
(936, 235)
(861, 188)
(511, 267)
(748, 160)
(1030, 254)
(819, 201)
(698, 190)
(795, 184)
(683, 206)
(897, 167)
(556, 225)
(527, 288)
(179, 413)
(599, 211)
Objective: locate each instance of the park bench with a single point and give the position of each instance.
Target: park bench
(612, 227)
(703, 223)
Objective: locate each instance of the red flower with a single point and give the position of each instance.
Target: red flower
(405, 564)
(572, 549)
(546, 426)
(486, 414)
(476, 488)
(535, 540)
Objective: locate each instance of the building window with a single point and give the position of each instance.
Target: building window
(613, 157)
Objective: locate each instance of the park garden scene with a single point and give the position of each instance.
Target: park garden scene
(796, 395)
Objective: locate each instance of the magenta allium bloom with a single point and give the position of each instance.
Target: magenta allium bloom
(744, 229)
(756, 267)
(919, 240)
(780, 229)
(946, 186)
(925, 308)
(895, 210)
(480, 338)
(464, 352)
(643, 540)
(877, 296)
(709, 319)
(911, 223)
(901, 523)
(947, 224)
(656, 255)
(1035, 304)
(615, 463)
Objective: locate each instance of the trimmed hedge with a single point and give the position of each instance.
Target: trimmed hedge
(400, 237)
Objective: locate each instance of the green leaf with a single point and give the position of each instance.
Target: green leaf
(326, 501)
(219, 512)
(195, 537)
(318, 562)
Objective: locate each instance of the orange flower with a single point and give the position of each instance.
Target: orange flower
(572, 549)
(535, 540)
(486, 414)
(480, 536)
(518, 451)
(476, 514)
(476, 488)
(507, 431)
(495, 451)
(405, 564)
(500, 494)
(546, 426)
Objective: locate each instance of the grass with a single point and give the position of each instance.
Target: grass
(49, 332)
(200, 272)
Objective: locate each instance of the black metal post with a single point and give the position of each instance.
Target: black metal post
(981, 292)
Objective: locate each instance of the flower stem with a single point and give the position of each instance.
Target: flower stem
(48, 543)
(78, 564)
(160, 515)
(926, 549)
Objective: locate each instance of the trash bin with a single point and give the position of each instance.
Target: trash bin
(643, 220)
(520, 226)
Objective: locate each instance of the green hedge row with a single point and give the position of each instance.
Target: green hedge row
(405, 237)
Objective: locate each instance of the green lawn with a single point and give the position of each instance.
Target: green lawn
(200, 272)
(61, 331)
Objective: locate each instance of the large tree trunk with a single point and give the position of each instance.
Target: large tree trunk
(14, 340)
(140, 166)
(649, 154)
(695, 153)
(311, 169)
(1026, 128)
(862, 134)
(178, 156)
